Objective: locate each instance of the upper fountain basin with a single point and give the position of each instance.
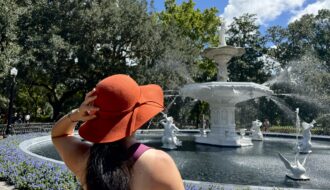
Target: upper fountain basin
(215, 52)
(224, 93)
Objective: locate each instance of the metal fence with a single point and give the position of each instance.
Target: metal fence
(23, 128)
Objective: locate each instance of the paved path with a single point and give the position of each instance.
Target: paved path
(5, 186)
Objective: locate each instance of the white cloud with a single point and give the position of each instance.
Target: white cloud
(266, 10)
(311, 9)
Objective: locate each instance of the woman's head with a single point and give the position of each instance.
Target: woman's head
(124, 106)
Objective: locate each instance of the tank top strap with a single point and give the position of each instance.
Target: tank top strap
(136, 150)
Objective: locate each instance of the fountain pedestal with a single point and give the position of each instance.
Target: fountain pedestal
(223, 129)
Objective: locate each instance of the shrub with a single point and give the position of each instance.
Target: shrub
(27, 172)
(291, 129)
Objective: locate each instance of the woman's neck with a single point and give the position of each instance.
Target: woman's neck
(129, 141)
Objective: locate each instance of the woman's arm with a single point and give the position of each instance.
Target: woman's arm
(71, 149)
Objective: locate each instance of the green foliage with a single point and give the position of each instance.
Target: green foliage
(201, 27)
(293, 130)
(324, 121)
(9, 49)
(244, 32)
(69, 45)
(309, 33)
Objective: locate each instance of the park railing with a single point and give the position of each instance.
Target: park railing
(23, 128)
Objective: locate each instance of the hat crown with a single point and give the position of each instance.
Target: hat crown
(117, 93)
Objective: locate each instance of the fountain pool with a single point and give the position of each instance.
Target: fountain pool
(256, 165)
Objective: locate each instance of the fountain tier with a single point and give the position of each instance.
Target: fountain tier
(222, 98)
(222, 55)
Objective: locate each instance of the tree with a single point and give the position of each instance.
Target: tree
(244, 32)
(200, 27)
(69, 45)
(308, 34)
(8, 46)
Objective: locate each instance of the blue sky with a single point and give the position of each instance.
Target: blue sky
(269, 12)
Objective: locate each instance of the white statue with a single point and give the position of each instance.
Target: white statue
(256, 133)
(242, 132)
(222, 33)
(169, 139)
(305, 145)
(297, 169)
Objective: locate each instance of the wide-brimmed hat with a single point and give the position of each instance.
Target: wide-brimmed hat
(124, 107)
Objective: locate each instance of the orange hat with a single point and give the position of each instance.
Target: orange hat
(124, 107)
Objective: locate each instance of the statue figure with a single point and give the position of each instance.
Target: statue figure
(169, 139)
(222, 33)
(242, 132)
(256, 133)
(305, 145)
(297, 169)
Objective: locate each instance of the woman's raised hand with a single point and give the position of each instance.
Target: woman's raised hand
(86, 110)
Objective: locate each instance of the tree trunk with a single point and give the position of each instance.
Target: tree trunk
(56, 111)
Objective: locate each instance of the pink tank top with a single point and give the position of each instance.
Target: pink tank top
(136, 150)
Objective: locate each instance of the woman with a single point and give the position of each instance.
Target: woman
(111, 158)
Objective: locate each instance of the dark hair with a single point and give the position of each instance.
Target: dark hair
(109, 167)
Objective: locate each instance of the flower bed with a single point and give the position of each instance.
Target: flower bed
(27, 172)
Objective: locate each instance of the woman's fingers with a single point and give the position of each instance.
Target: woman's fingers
(90, 93)
(89, 100)
(92, 110)
(90, 113)
(88, 110)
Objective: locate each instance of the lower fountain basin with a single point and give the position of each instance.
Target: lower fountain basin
(222, 98)
(257, 165)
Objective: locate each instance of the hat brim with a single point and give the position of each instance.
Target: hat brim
(103, 130)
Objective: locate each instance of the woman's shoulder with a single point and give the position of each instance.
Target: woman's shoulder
(153, 159)
(160, 170)
(155, 154)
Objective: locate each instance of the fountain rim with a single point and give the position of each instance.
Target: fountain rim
(211, 52)
(215, 84)
(30, 142)
(25, 145)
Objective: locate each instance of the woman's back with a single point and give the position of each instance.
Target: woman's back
(153, 169)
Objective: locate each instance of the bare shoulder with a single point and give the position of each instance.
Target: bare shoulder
(160, 170)
(154, 155)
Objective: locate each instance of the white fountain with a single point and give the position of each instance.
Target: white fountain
(222, 96)
(256, 133)
(297, 169)
(169, 139)
(305, 145)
